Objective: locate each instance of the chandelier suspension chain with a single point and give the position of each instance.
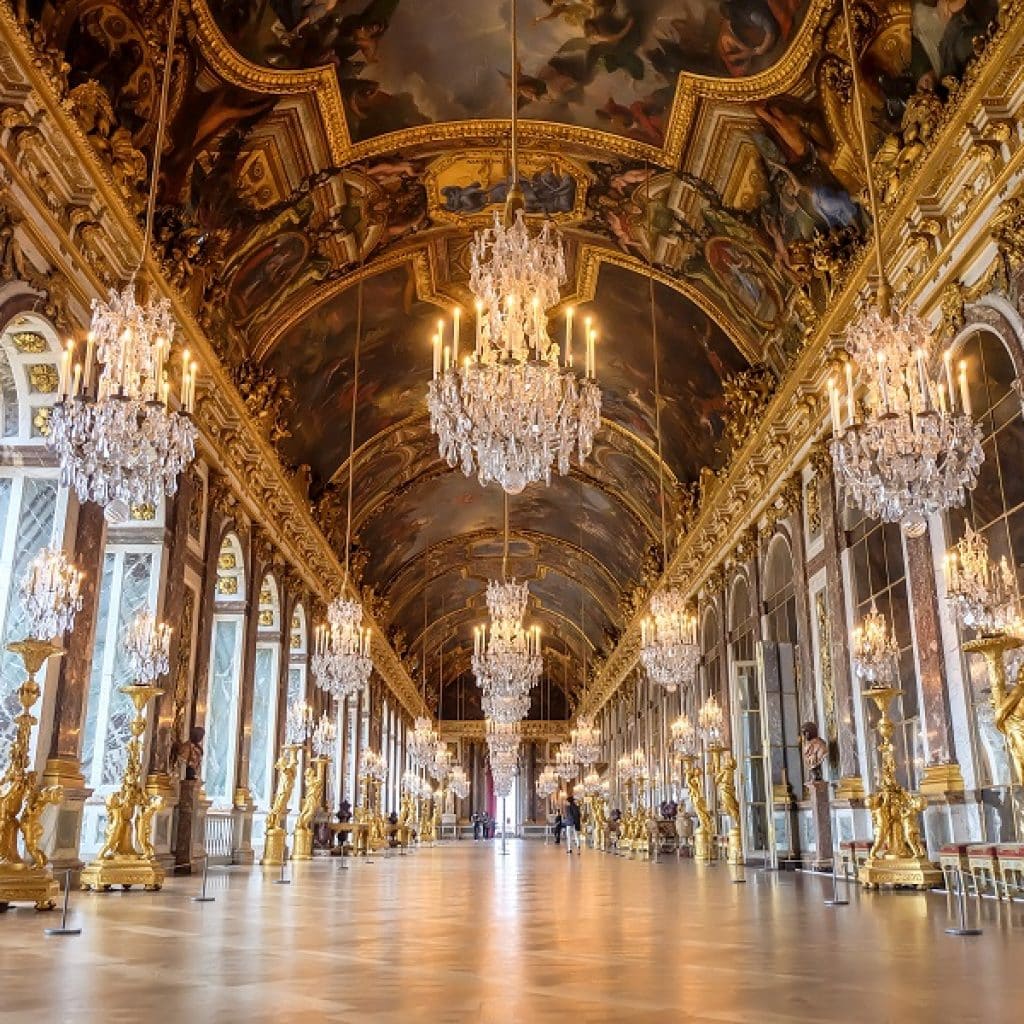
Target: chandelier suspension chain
(884, 295)
(158, 143)
(515, 97)
(657, 373)
(352, 424)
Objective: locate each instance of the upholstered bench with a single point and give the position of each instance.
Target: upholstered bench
(953, 858)
(1010, 861)
(984, 866)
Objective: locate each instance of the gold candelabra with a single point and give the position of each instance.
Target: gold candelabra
(723, 769)
(1007, 703)
(287, 768)
(22, 799)
(127, 856)
(704, 837)
(897, 856)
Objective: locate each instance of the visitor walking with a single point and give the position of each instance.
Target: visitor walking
(573, 823)
(559, 825)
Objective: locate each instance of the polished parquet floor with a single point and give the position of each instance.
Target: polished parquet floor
(460, 933)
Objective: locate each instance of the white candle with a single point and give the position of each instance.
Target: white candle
(479, 328)
(193, 377)
(883, 387)
(851, 405)
(436, 342)
(833, 406)
(965, 397)
(447, 358)
(90, 340)
(947, 359)
(65, 369)
(922, 376)
(568, 337)
(457, 323)
(77, 380)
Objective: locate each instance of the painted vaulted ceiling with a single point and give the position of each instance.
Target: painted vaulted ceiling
(314, 144)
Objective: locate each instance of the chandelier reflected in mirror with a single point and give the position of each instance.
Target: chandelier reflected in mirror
(876, 651)
(585, 742)
(982, 594)
(421, 742)
(341, 661)
(668, 641)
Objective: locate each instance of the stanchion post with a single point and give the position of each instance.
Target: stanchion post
(64, 929)
(282, 880)
(961, 892)
(835, 901)
(202, 897)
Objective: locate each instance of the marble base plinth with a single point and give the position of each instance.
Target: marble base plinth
(302, 844)
(274, 851)
(703, 847)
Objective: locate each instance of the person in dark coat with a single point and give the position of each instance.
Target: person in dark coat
(559, 825)
(573, 825)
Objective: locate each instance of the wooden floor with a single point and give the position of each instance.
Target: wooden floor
(459, 933)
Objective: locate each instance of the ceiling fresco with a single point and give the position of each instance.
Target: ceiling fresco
(315, 143)
(610, 65)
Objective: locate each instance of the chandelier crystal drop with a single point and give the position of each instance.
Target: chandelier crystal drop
(585, 742)
(51, 594)
(147, 646)
(341, 659)
(118, 441)
(982, 594)
(668, 646)
(911, 448)
(875, 651)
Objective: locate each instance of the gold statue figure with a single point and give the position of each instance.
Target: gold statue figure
(287, 768)
(1009, 717)
(725, 782)
(316, 782)
(704, 837)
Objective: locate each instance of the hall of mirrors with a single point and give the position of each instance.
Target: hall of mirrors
(546, 429)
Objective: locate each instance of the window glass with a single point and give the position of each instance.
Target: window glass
(222, 711)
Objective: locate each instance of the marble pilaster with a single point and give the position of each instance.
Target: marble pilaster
(63, 822)
(851, 784)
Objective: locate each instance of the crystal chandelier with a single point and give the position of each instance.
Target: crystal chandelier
(591, 784)
(505, 707)
(372, 765)
(875, 651)
(981, 593)
(684, 736)
(585, 742)
(547, 783)
(324, 736)
(668, 644)
(565, 762)
(503, 752)
(458, 783)
(711, 720)
(515, 407)
(298, 722)
(147, 645)
(441, 761)
(912, 453)
(117, 439)
(341, 659)
(421, 742)
(633, 767)
(51, 594)
(506, 660)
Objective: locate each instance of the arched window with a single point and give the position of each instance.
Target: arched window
(225, 674)
(995, 508)
(712, 663)
(779, 595)
(32, 504)
(266, 673)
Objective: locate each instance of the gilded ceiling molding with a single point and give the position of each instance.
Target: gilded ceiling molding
(589, 265)
(959, 184)
(228, 439)
(691, 89)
